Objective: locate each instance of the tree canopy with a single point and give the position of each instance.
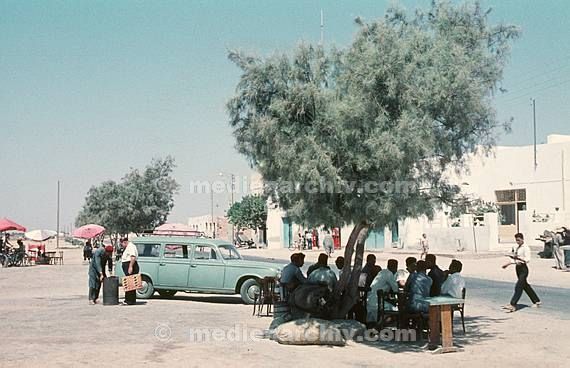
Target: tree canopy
(250, 212)
(142, 200)
(406, 101)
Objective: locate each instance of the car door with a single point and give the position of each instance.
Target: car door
(207, 268)
(174, 266)
(148, 260)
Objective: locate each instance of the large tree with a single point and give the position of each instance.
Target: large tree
(408, 100)
(141, 201)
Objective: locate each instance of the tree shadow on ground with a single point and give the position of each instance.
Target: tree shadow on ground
(476, 331)
(215, 299)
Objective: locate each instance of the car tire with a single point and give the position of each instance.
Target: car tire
(167, 294)
(248, 290)
(147, 290)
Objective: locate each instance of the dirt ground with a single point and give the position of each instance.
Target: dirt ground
(46, 321)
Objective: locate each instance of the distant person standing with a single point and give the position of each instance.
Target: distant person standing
(424, 245)
(521, 258)
(97, 273)
(328, 243)
(130, 267)
(87, 251)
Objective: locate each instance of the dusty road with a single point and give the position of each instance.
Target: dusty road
(45, 321)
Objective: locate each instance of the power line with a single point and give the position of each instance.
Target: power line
(537, 91)
(530, 87)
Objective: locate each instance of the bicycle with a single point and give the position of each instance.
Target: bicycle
(296, 245)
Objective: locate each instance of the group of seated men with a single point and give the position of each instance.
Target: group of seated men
(417, 282)
(292, 275)
(414, 280)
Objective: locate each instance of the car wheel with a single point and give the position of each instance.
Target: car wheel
(248, 290)
(147, 289)
(166, 293)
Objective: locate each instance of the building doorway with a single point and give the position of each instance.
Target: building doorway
(510, 203)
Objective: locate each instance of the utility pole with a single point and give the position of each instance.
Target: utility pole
(563, 184)
(534, 125)
(57, 235)
(212, 211)
(322, 28)
(233, 189)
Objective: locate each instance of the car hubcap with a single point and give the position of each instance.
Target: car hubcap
(253, 290)
(144, 288)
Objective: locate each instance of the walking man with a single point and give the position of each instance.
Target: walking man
(521, 258)
(97, 273)
(328, 243)
(130, 267)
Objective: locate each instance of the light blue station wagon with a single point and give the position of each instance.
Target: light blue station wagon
(176, 263)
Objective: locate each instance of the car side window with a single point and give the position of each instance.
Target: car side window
(148, 250)
(176, 251)
(205, 253)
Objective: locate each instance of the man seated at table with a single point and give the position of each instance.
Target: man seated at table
(292, 276)
(455, 283)
(368, 271)
(418, 288)
(322, 262)
(339, 263)
(436, 274)
(403, 274)
(385, 281)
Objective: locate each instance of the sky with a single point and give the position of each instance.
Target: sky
(91, 89)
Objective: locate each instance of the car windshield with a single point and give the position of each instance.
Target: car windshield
(228, 251)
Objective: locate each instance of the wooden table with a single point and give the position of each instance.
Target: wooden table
(440, 310)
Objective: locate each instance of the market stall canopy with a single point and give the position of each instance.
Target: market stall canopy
(8, 225)
(40, 235)
(88, 231)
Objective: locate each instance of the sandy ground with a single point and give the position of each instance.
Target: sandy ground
(47, 322)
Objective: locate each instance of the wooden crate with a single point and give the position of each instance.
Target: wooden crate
(133, 282)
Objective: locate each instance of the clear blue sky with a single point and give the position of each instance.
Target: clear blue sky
(89, 89)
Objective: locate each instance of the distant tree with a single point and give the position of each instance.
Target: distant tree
(250, 212)
(405, 103)
(141, 201)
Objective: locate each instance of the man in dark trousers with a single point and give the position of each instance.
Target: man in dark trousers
(521, 258)
(96, 273)
(130, 267)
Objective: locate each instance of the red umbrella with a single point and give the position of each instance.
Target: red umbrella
(7, 225)
(88, 231)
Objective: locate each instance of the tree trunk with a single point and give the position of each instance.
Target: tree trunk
(346, 291)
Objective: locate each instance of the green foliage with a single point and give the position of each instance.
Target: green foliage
(141, 201)
(404, 103)
(250, 213)
(464, 205)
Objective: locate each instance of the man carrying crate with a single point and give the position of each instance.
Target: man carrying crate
(130, 267)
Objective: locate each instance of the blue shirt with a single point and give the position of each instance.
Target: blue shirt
(292, 274)
(418, 287)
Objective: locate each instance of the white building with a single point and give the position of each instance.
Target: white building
(531, 199)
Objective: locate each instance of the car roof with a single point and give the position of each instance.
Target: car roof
(178, 240)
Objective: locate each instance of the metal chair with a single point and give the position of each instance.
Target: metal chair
(384, 314)
(409, 318)
(461, 309)
(266, 296)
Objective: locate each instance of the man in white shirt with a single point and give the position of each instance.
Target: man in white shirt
(130, 267)
(521, 258)
(386, 281)
(402, 275)
(455, 283)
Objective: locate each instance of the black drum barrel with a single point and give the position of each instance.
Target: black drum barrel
(111, 290)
